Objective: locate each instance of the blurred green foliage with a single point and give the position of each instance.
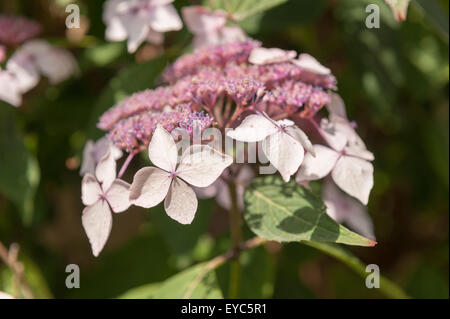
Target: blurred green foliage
(395, 83)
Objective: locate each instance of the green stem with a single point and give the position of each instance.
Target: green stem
(236, 240)
(387, 287)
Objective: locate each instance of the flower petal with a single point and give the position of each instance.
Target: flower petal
(336, 107)
(284, 153)
(24, 70)
(97, 223)
(162, 150)
(206, 39)
(115, 31)
(181, 202)
(90, 190)
(261, 56)
(106, 171)
(150, 186)
(354, 176)
(200, 19)
(9, 89)
(345, 209)
(232, 34)
(301, 137)
(310, 64)
(88, 163)
(201, 165)
(137, 29)
(164, 19)
(254, 128)
(317, 167)
(118, 196)
(104, 145)
(56, 64)
(223, 197)
(359, 152)
(335, 138)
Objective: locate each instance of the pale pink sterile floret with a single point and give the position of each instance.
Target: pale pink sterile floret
(101, 194)
(94, 152)
(9, 88)
(209, 27)
(139, 20)
(262, 56)
(37, 57)
(200, 166)
(310, 64)
(346, 209)
(283, 143)
(348, 160)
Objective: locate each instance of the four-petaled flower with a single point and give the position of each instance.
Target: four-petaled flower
(140, 20)
(200, 166)
(209, 27)
(348, 160)
(101, 194)
(283, 142)
(24, 67)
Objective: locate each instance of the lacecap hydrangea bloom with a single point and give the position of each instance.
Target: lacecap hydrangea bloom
(250, 94)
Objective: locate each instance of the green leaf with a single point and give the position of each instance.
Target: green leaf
(134, 78)
(140, 261)
(182, 239)
(258, 274)
(141, 292)
(286, 212)
(387, 287)
(197, 282)
(435, 12)
(242, 9)
(19, 173)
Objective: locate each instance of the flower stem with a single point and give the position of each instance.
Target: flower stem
(236, 239)
(125, 165)
(237, 112)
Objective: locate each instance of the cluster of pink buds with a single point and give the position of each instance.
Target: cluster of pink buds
(245, 93)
